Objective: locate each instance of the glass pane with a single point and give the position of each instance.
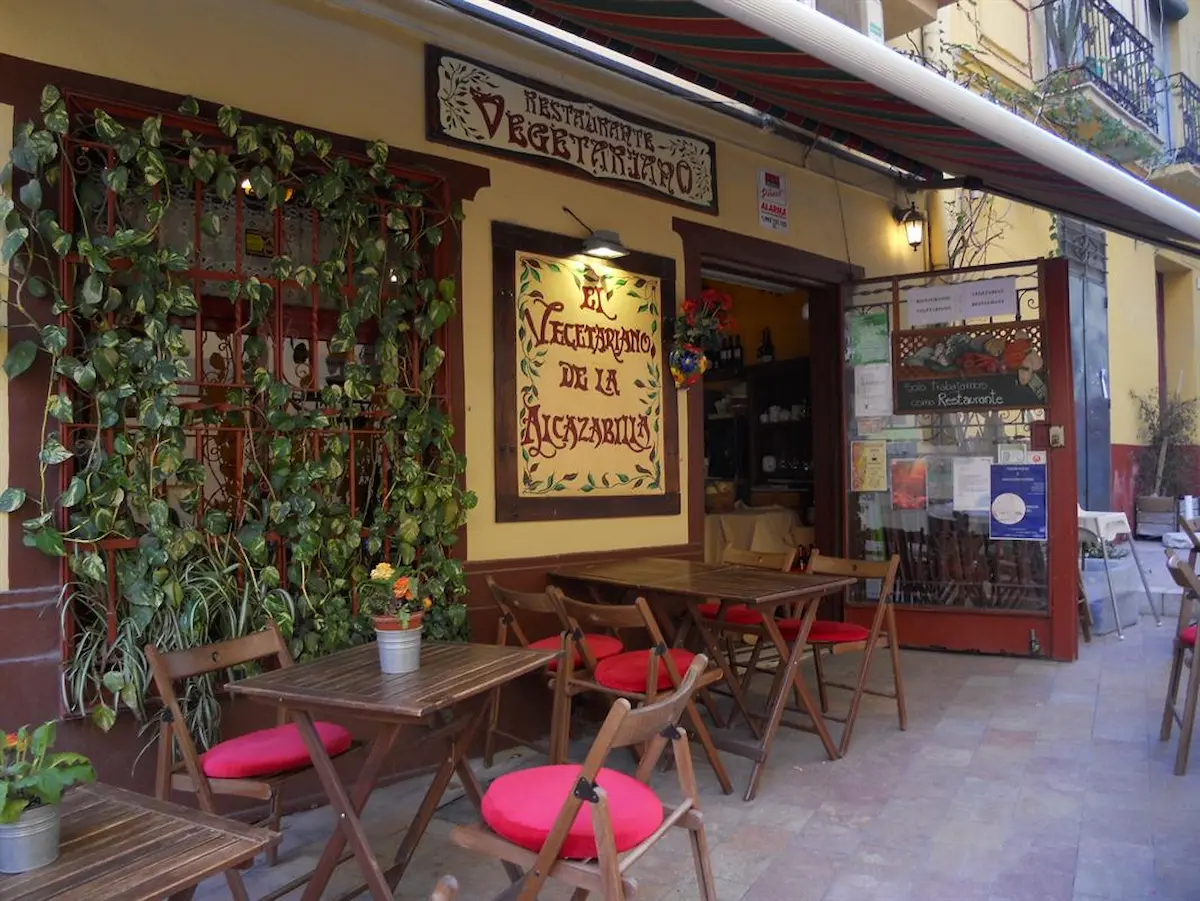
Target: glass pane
(919, 464)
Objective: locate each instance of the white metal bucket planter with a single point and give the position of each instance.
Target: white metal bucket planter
(31, 842)
(399, 649)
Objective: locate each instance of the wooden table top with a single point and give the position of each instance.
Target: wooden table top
(351, 680)
(116, 844)
(687, 578)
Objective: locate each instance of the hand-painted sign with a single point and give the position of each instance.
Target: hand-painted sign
(1018, 509)
(986, 367)
(589, 379)
(474, 105)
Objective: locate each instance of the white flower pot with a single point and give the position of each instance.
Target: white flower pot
(31, 842)
(399, 650)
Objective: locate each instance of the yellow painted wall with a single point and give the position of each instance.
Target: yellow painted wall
(1181, 306)
(347, 75)
(1132, 332)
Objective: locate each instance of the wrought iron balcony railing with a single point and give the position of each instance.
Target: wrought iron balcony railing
(1090, 40)
(1185, 133)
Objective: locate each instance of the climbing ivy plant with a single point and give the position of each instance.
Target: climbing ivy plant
(166, 540)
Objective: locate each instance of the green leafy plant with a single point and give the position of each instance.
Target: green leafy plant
(1164, 426)
(195, 479)
(32, 776)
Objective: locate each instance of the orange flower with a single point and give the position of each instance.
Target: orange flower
(401, 590)
(10, 740)
(427, 603)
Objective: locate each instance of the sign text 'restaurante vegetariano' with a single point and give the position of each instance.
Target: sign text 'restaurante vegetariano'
(487, 109)
(589, 396)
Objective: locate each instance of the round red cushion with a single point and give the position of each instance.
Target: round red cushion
(522, 807)
(1188, 636)
(601, 646)
(627, 672)
(738, 614)
(825, 631)
(269, 751)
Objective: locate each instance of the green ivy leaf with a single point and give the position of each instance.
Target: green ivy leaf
(20, 357)
(93, 290)
(152, 130)
(12, 243)
(60, 407)
(261, 180)
(31, 195)
(117, 180)
(53, 453)
(210, 224)
(377, 152)
(103, 717)
(189, 107)
(12, 499)
(74, 493)
(285, 157)
(56, 118)
(50, 96)
(227, 120)
(48, 541)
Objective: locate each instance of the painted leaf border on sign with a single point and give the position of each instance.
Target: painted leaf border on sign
(514, 353)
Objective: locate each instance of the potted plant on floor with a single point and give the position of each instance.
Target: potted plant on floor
(32, 780)
(1167, 424)
(397, 606)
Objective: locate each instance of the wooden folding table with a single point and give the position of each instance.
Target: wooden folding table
(762, 589)
(116, 845)
(349, 684)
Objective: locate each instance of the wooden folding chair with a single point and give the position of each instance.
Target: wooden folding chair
(834, 637)
(532, 604)
(1184, 653)
(534, 818)
(255, 765)
(634, 675)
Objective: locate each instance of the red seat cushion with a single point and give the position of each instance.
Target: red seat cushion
(601, 646)
(627, 672)
(825, 631)
(522, 807)
(1188, 636)
(738, 614)
(269, 751)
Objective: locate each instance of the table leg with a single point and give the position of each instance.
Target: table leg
(348, 808)
(735, 686)
(455, 760)
(1112, 597)
(1145, 585)
(782, 688)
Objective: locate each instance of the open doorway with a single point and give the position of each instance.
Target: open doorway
(759, 418)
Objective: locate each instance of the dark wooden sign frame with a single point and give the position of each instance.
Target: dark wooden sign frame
(507, 240)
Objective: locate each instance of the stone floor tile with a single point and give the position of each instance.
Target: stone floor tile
(1117, 870)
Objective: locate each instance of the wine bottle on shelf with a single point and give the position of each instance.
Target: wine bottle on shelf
(724, 352)
(766, 350)
(737, 351)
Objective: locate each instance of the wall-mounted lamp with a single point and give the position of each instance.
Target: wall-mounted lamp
(603, 244)
(913, 224)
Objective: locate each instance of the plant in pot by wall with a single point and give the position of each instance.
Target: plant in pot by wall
(397, 606)
(697, 331)
(32, 779)
(1166, 425)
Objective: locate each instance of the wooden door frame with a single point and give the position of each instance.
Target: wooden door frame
(705, 244)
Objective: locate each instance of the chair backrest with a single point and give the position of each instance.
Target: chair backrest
(627, 726)
(780, 561)
(538, 603)
(583, 617)
(884, 570)
(1185, 577)
(446, 890)
(168, 668)
(1191, 528)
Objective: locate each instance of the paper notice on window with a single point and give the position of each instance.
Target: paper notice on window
(873, 391)
(933, 305)
(972, 483)
(868, 466)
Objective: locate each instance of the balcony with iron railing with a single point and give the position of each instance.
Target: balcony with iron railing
(1095, 54)
(1178, 170)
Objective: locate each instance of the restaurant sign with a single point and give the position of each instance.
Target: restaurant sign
(474, 105)
(987, 367)
(583, 341)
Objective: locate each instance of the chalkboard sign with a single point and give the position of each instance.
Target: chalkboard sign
(982, 367)
(961, 392)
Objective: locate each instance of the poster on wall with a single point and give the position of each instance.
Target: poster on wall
(873, 390)
(910, 484)
(868, 466)
(972, 483)
(979, 367)
(867, 337)
(772, 200)
(586, 427)
(473, 104)
(1018, 507)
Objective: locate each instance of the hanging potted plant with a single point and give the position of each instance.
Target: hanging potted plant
(697, 332)
(392, 599)
(32, 780)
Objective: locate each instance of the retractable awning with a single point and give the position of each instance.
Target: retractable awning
(803, 67)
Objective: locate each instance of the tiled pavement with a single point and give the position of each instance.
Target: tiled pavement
(1016, 781)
